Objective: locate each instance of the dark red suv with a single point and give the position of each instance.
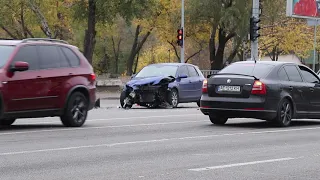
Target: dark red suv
(43, 78)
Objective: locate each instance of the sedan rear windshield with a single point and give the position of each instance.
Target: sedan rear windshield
(5, 52)
(257, 70)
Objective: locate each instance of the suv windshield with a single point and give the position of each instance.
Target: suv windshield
(157, 70)
(5, 52)
(257, 70)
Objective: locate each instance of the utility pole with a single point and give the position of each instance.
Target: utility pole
(182, 27)
(315, 46)
(254, 27)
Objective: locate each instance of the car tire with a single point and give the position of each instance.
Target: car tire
(218, 120)
(76, 111)
(174, 98)
(7, 122)
(123, 96)
(284, 113)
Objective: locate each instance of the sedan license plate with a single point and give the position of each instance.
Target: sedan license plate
(229, 89)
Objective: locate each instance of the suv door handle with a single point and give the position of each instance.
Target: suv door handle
(290, 88)
(311, 89)
(38, 76)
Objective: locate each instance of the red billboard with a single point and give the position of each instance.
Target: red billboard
(303, 8)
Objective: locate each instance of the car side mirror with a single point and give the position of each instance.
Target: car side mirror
(133, 75)
(181, 76)
(19, 66)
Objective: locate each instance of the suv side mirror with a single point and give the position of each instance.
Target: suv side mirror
(19, 66)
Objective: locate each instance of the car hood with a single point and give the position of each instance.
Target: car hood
(149, 80)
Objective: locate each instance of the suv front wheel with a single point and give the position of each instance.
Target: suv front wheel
(7, 122)
(76, 111)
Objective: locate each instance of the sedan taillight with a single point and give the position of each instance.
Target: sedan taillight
(259, 88)
(205, 86)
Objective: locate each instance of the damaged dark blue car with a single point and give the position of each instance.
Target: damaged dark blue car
(165, 84)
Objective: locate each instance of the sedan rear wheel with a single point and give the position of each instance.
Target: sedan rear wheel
(218, 120)
(285, 112)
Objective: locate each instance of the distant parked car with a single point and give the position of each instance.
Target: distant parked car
(43, 78)
(165, 82)
(268, 90)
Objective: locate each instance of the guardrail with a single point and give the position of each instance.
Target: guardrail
(209, 72)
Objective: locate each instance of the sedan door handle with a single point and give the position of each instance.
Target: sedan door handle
(38, 76)
(311, 89)
(290, 88)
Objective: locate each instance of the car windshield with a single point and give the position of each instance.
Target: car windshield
(257, 70)
(5, 52)
(157, 70)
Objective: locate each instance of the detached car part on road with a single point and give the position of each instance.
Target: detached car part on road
(45, 78)
(267, 90)
(164, 84)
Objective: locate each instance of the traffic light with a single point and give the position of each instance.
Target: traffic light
(180, 37)
(254, 28)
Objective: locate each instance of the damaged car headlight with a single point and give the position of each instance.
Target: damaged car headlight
(132, 94)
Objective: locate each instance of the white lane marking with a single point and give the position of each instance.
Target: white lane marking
(241, 164)
(101, 127)
(111, 119)
(151, 141)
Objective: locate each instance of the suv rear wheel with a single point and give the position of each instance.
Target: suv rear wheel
(76, 111)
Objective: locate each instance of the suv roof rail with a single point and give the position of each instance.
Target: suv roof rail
(44, 39)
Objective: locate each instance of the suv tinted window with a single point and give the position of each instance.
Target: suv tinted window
(64, 62)
(49, 57)
(192, 72)
(293, 73)
(28, 54)
(283, 75)
(308, 76)
(256, 69)
(5, 52)
(183, 71)
(71, 56)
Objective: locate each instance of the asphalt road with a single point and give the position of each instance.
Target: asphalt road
(158, 144)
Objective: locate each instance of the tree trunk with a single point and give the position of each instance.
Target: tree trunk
(218, 58)
(136, 64)
(90, 33)
(116, 52)
(133, 52)
(212, 46)
(44, 23)
(136, 47)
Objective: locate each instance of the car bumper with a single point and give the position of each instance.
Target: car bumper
(92, 97)
(253, 107)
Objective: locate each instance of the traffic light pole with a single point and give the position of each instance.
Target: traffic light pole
(254, 44)
(184, 31)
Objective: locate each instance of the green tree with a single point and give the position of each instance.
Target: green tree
(228, 19)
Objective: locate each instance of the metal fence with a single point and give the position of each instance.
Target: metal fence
(209, 72)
